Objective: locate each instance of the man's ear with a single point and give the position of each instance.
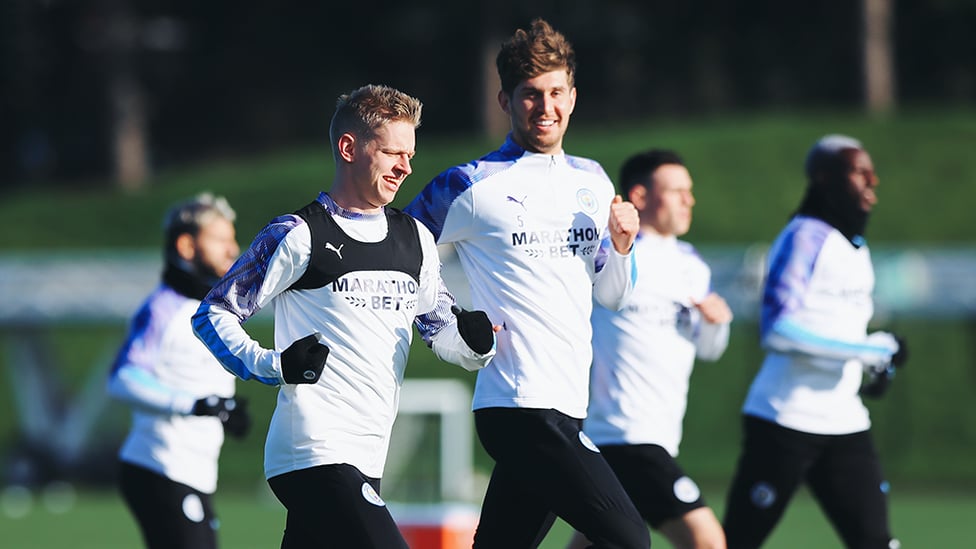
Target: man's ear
(186, 246)
(638, 196)
(504, 101)
(347, 147)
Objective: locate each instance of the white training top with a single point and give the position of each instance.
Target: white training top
(644, 353)
(816, 307)
(366, 320)
(527, 229)
(161, 370)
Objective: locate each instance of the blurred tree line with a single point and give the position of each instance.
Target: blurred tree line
(97, 88)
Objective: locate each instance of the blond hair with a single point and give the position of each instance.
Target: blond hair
(364, 110)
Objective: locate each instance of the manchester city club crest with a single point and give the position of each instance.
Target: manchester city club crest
(587, 201)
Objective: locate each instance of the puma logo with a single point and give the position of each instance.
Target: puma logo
(517, 201)
(338, 251)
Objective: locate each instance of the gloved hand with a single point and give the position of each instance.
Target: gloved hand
(901, 355)
(303, 360)
(877, 383)
(232, 413)
(880, 376)
(475, 329)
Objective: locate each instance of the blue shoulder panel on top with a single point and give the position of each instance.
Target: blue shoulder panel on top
(791, 263)
(431, 205)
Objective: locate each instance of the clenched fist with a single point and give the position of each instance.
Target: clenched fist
(624, 224)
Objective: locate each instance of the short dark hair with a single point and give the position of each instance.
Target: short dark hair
(638, 168)
(529, 53)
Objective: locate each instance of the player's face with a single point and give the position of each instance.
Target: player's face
(383, 163)
(539, 109)
(216, 246)
(669, 204)
(861, 179)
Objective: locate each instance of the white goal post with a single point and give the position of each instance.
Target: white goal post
(448, 403)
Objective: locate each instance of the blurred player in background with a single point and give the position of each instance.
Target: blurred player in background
(804, 420)
(182, 400)
(527, 221)
(347, 277)
(644, 353)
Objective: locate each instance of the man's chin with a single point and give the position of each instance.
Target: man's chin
(548, 143)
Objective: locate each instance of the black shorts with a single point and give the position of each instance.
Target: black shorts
(169, 514)
(842, 472)
(655, 482)
(335, 506)
(546, 467)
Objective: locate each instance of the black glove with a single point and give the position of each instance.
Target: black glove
(232, 413)
(303, 360)
(901, 355)
(877, 383)
(475, 329)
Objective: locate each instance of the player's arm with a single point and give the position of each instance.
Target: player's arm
(140, 389)
(132, 378)
(616, 275)
(713, 333)
(465, 338)
(873, 350)
(276, 259)
(787, 282)
(791, 265)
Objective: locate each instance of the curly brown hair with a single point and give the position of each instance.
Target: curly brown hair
(529, 53)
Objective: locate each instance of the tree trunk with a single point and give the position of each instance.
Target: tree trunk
(877, 55)
(128, 133)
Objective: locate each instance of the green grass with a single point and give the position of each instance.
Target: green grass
(253, 519)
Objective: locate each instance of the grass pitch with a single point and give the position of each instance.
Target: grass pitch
(99, 520)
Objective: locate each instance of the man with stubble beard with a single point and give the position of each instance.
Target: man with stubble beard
(804, 420)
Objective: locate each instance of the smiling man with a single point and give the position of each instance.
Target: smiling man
(527, 221)
(347, 276)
